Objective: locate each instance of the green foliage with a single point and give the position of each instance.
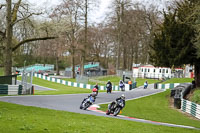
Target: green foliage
(173, 43)
(176, 43)
(197, 27)
(17, 119)
(30, 60)
(1, 71)
(196, 96)
(156, 108)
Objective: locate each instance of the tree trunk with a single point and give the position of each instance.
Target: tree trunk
(82, 65)
(85, 43)
(132, 56)
(136, 53)
(8, 46)
(57, 66)
(124, 58)
(197, 75)
(73, 63)
(118, 56)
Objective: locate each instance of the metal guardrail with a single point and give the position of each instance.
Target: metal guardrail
(75, 84)
(190, 108)
(10, 89)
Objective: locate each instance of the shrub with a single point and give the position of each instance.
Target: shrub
(196, 96)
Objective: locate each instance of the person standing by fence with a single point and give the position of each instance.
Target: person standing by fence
(130, 84)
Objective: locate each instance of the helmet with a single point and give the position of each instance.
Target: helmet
(123, 96)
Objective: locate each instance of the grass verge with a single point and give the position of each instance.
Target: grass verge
(17, 119)
(156, 108)
(115, 80)
(74, 80)
(178, 80)
(196, 96)
(60, 88)
(140, 81)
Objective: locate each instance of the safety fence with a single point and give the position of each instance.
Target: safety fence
(165, 86)
(37, 68)
(10, 89)
(191, 108)
(74, 84)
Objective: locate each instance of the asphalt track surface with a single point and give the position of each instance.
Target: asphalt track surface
(71, 102)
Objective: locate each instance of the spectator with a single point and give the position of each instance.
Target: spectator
(130, 84)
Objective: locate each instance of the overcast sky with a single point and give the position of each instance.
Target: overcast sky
(98, 14)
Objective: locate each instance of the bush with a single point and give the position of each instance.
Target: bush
(196, 96)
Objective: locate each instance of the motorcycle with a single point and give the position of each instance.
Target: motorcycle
(122, 87)
(109, 88)
(115, 107)
(145, 86)
(87, 102)
(95, 91)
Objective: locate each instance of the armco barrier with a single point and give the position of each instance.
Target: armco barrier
(10, 89)
(167, 86)
(191, 108)
(73, 84)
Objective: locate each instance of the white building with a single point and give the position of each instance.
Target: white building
(149, 71)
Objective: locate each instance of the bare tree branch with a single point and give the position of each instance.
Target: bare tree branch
(31, 40)
(2, 47)
(2, 5)
(15, 10)
(25, 18)
(2, 34)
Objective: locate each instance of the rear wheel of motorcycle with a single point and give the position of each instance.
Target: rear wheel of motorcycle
(116, 112)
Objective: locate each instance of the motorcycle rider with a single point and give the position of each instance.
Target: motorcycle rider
(85, 103)
(113, 105)
(93, 97)
(109, 86)
(122, 97)
(145, 85)
(96, 89)
(121, 85)
(96, 86)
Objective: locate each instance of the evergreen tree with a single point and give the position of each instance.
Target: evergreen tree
(174, 43)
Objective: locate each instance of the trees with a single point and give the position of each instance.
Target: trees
(174, 41)
(69, 11)
(12, 18)
(132, 29)
(123, 38)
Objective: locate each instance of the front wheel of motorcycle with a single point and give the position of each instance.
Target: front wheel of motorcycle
(81, 107)
(116, 112)
(107, 112)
